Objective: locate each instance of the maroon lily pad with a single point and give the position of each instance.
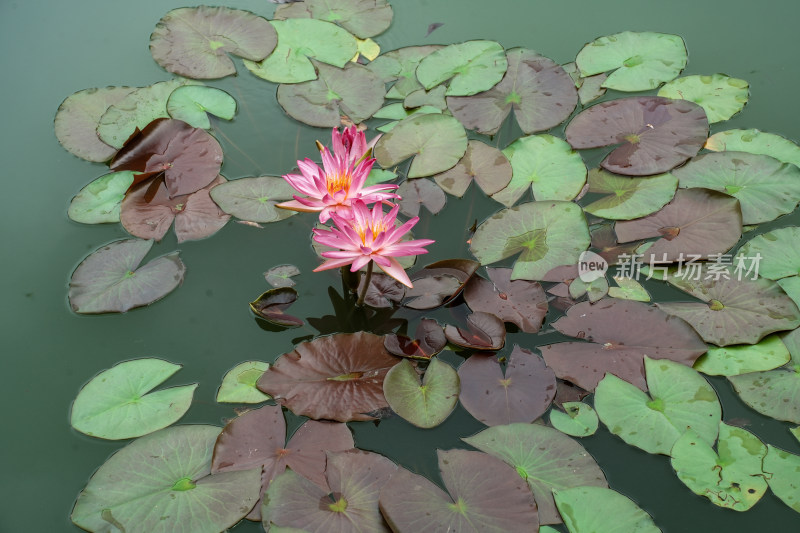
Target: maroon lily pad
(539, 90)
(485, 164)
(258, 439)
(521, 302)
(620, 334)
(383, 291)
(568, 392)
(420, 192)
(149, 215)
(271, 306)
(440, 283)
(483, 332)
(656, 134)
(523, 394)
(561, 274)
(484, 495)
(188, 157)
(604, 240)
(339, 377)
(697, 223)
(428, 340)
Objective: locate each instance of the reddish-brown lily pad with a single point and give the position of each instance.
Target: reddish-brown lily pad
(271, 306)
(383, 291)
(428, 340)
(339, 377)
(440, 283)
(519, 301)
(485, 164)
(604, 240)
(483, 332)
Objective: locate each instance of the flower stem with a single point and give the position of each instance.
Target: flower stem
(349, 280)
(367, 277)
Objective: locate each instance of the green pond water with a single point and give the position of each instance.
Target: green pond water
(52, 49)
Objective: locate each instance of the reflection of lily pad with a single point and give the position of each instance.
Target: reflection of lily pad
(194, 41)
(768, 354)
(99, 201)
(400, 66)
(425, 403)
(720, 95)
(629, 197)
(117, 403)
(596, 509)
(755, 142)
(549, 234)
(239, 383)
(471, 67)
(362, 18)
(254, 199)
(483, 163)
(640, 60)
(577, 420)
(193, 103)
(161, 484)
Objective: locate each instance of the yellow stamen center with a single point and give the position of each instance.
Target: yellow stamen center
(377, 229)
(338, 182)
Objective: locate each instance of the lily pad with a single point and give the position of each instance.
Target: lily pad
(471, 67)
(414, 194)
(629, 289)
(254, 199)
(697, 223)
(595, 509)
(98, 202)
(545, 164)
(781, 468)
(355, 478)
(424, 403)
(383, 291)
(765, 187)
(239, 383)
(520, 302)
(362, 18)
(195, 41)
(538, 89)
(115, 404)
(483, 496)
(777, 253)
(619, 332)
(299, 41)
(271, 306)
(755, 142)
(77, 119)
(768, 354)
(605, 241)
(520, 394)
(353, 91)
(161, 484)
(577, 420)
(397, 112)
(281, 275)
(400, 66)
(595, 289)
(640, 60)
(483, 332)
(549, 234)
(590, 88)
(720, 95)
(437, 141)
(483, 163)
(339, 377)
(422, 98)
(428, 341)
(679, 399)
(110, 280)
(655, 134)
(544, 457)
(629, 197)
(193, 103)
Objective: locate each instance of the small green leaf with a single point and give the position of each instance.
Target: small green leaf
(578, 420)
(720, 95)
(629, 198)
(239, 383)
(425, 404)
(193, 103)
(629, 289)
(768, 354)
(99, 202)
(471, 67)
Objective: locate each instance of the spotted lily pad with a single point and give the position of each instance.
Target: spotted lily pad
(193, 103)
(115, 404)
(577, 420)
(781, 470)
(239, 383)
(679, 399)
(545, 164)
(471, 67)
(110, 280)
(424, 403)
(629, 198)
(595, 509)
(640, 60)
(768, 354)
(655, 134)
(98, 202)
(254, 199)
(538, 89)
(362, 18)
(483, 163)
(483, 496)
(299, 41)
(731, 477)
(521, 302)
(548, 234)
(720, 95)
(271, 306)
(755, 142)
(161, 484)
(544, 457)
(400, 66)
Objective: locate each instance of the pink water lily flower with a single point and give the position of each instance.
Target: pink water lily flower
(369, 236)
(334, 187)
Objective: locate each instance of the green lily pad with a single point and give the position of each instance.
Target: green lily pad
(755, 142)
(679, 399)
(549, 234)
(778, 251)
(791, 286)
(782, 471)
(596, 509)
(115, 404)
(595, 289)
(354, 91)
(426, 403)
(471, 67)
(161, 484)
(109, 280)
(193, 103)
(640, 60)
(362, 18)
(299, 41)
(547, 165)
(720, 95)
(254, 199)
(765, 187)
(99, 202)
(239, 383)
(77, 119)
(730, 477)
(420, 192)
(377, 175)
(281, 275)
(437, 141)
(396, 112)
(590, 88)
(544, 457)
(484, 164)
(768, 354)
(400, 66)
(629, 197)
(194, 41)
(629, 289)
(538, 89)
(577, 420)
